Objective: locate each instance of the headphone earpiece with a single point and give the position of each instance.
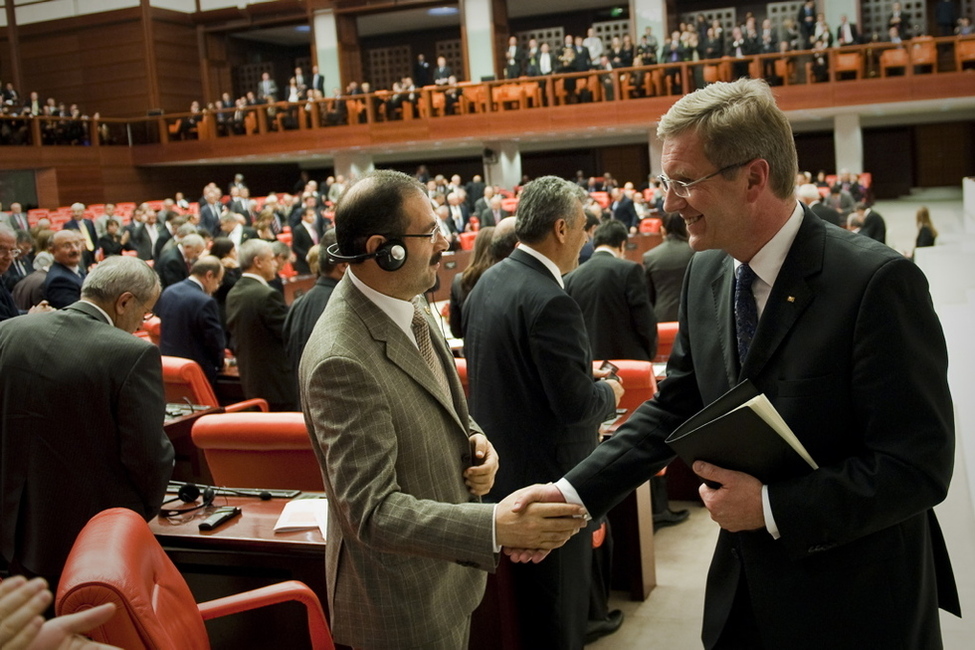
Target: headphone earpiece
(188, 493)
(391, 255)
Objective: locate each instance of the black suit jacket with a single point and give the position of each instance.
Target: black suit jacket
(850, 352)
(88, 256)
(210, 217)
(255, 318)
(190, 326)
(301, 243)
(612, 294)
(303, 315)
(665, 265)
(82, 413)
(827, 213)
(874, 226)
(62, 286)
(626, 212)
(171, 267)
(8, 307)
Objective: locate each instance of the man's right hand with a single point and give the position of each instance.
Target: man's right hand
(618, 391)
(525, 522)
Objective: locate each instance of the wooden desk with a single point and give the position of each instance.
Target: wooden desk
(191, 465)
(243, 554)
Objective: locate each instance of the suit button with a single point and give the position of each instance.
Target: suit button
(465, 458)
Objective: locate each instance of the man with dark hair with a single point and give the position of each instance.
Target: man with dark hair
(402, 461)
(665, 265)
(593, 214)
(189, 317)
(174, 264)
(840, 334)
(62, 286)
(871, 223)
(81, 414)
(532, 389)
(612, 293)
(308, 308)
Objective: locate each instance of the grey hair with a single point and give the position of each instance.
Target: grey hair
(250, 250)
(544, 201)
(118, 274)
(193, 241)
(738, 122)
(43, 261)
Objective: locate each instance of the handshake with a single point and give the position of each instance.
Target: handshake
(536, 519)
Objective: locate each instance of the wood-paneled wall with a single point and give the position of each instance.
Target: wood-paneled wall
(177, 61)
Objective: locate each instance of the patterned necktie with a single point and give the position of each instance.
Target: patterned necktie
(421, 330)
(746, 310)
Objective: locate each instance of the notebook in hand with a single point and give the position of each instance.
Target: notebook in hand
(742, 431)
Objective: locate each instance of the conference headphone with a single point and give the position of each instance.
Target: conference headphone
(190, 492)
(389, 256)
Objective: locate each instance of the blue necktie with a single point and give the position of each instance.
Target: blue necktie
(746, 311)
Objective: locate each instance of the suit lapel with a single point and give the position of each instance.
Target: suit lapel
(790, 295)
(721, 301)
(399, 349)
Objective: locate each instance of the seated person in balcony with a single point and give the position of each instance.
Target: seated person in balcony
(267, 89)
(451, 96)
(846, 33)
(187, 125)
(820, 60)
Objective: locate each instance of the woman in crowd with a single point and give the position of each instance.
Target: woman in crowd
(464, 282)
(926, 232)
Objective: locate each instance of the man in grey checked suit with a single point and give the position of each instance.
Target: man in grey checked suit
(403, 463)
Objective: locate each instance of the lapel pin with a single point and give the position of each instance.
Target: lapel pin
(791, 298)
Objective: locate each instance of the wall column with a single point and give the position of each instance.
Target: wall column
(656, 151)
(477, 28)
(502, 166)
(836, 8)
(327, 49)
(848, 142)
(649, 13)
(353, 165)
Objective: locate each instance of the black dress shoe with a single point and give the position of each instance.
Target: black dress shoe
(598, 629)
(669, 518)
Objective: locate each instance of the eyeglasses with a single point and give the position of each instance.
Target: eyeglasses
(683, 189)
(12, 252)
(432, 236)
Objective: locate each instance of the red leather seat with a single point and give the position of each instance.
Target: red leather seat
(467, 240)
(184, 380)
(639, 383)
(151, 327)
(461, 364)
(666, 333)
(259, 450)
(650, 225)
(117, 559)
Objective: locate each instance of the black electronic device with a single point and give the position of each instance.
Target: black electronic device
(220, 516)
(389, 256)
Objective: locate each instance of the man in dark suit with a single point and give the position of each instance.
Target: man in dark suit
(475, 190)
(23, 264)
(514, 59)
(846, 32)
(612, 294)
(533, 391)
(8, 306)
(255, 320)
(871, 223)
(317, 80)
(304, 235)
(809, 194)
(89, 236)
(623, 209)
(190, 324)
(148, 236)
(841, 336)
(493, 214)
(441, 74)
(63, 284)
(210, 210)
(80, 418)
(174, 264)
(665, 265)
(458, 211)
(305, 311)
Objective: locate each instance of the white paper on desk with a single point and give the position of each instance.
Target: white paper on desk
(303, 514)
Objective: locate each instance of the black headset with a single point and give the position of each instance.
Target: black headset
(390, 256)
(190, 492)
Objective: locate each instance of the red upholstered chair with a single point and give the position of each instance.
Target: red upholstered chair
(184, 380)
(259, 450)
(650, 225)
(461, 364)
(638, 382)
(117, 559)
(151, 327)
(467, 240)
(666, 333)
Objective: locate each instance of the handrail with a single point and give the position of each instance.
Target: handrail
(666, 79)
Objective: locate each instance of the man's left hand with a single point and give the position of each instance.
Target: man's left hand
(737, 504)
(484, 465)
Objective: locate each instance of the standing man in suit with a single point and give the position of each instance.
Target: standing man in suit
(267, 89)
(612, 294)
(80, 418)
(174, 264)
(624, 210)
(846, 32)
(317, 80)
(89, 237)
(441, 74)
(255, 320)
(402, 461)
(533, 391)
(494, 213)
(17, 218)
(149, 236)
(63, 284)
(304, 235)
(189, 317)
(458, 212)
(841, 336)
(809, 194)
(514, 59)
(23, 264)
(871, 223)
(210, 210)
(8, 251)
(665, 265)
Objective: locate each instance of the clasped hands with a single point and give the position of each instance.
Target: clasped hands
(536, 519)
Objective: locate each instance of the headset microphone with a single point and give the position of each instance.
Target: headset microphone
(390, 255)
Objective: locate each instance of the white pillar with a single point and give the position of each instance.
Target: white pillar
(836, 8)
(656, 151)
(327, 49)
(649, 13)
(502, 164)
(353, 165)
(478, 20)
(848, 142)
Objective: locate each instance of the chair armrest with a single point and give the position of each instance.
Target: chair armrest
(256, 404)
(282, 592)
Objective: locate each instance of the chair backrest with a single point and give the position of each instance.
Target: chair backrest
(117, 559)
(461, 364)
(895, 58)
(848, 62)
(184, 379)
(638, 382)
(152, 327)
(650, 225)
(259, 450)
(666, 333)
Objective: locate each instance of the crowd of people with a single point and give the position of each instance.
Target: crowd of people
(67, 126)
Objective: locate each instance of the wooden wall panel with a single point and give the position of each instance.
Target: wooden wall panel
(178, 64)
(944, 153)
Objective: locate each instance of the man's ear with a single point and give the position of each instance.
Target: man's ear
(561, 229)
(374, 242)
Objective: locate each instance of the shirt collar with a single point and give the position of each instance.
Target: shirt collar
(399, 311)
(108, 319)
(197, 282)
(767, 262)
(255, 276)
(549, 264)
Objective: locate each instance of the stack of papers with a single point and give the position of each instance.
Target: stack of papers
(303, 514)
